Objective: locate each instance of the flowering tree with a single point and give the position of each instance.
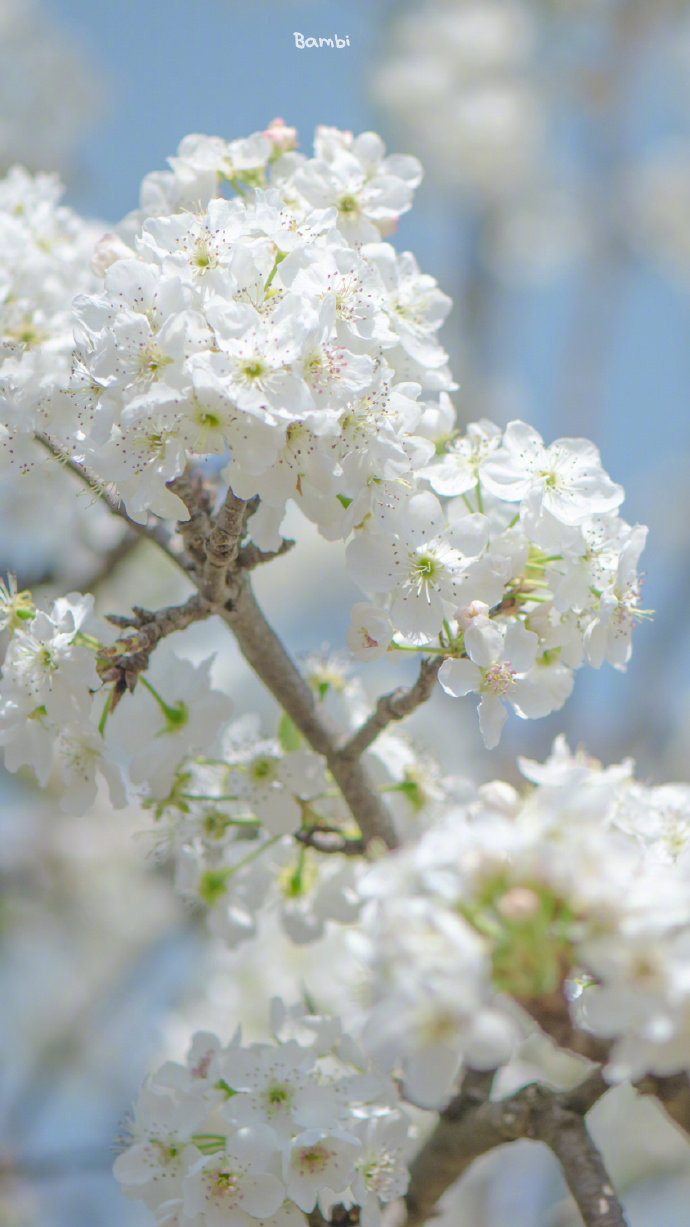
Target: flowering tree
(246, 338)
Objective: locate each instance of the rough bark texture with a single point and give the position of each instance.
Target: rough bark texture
(472, 1125)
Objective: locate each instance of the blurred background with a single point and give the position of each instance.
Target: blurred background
(555, 210)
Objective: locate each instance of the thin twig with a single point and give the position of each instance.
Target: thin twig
(156, 624)
(551, 1011)
(122, 662)
(584, 1096)
(394, 706)
(152, 532)
(111, 559)
(250, 556)
(329, 841)
(475, 1089)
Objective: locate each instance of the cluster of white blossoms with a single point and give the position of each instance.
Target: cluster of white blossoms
(577, 888)
(274, 326)
(49, 678)
(524, 571)
(267, 1131)
(45, 260)
(229, 824)
(45, 254)
(275, 330)
(228, 802)
(55, 712)
(251, 312)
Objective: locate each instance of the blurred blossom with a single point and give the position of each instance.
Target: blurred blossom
(534, 239)
(59, 531)
(657, 208)
(47, 90)
(458, 79)
(497, 95)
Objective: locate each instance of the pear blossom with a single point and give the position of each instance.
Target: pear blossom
(159, 731)
(506, 898)
(80, 757)
(566, 479)
(370, 633)
(608, 636)
(252, 1132)
(458, 469)
(495, 669)
(381, 1172)
(369, 190)
(48, 681)
(418, 565)
(235, 1185)
(317, 1159)
(152, 1167)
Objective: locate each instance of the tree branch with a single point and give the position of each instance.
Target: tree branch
(394, 706)
(467, 1129)
(472, 1125)
(216, 565)
(551, 1012)
(673, 1092)
(566, 1134)
(189, 487)
(263, 650)
(122, 662)
(223, 547)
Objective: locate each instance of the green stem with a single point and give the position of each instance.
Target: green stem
(172, 714)
(251, 856)
(425, 651)
(200, 796)
(104, 715)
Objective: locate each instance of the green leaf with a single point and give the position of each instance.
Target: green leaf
(289, 735)
(343, 500)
